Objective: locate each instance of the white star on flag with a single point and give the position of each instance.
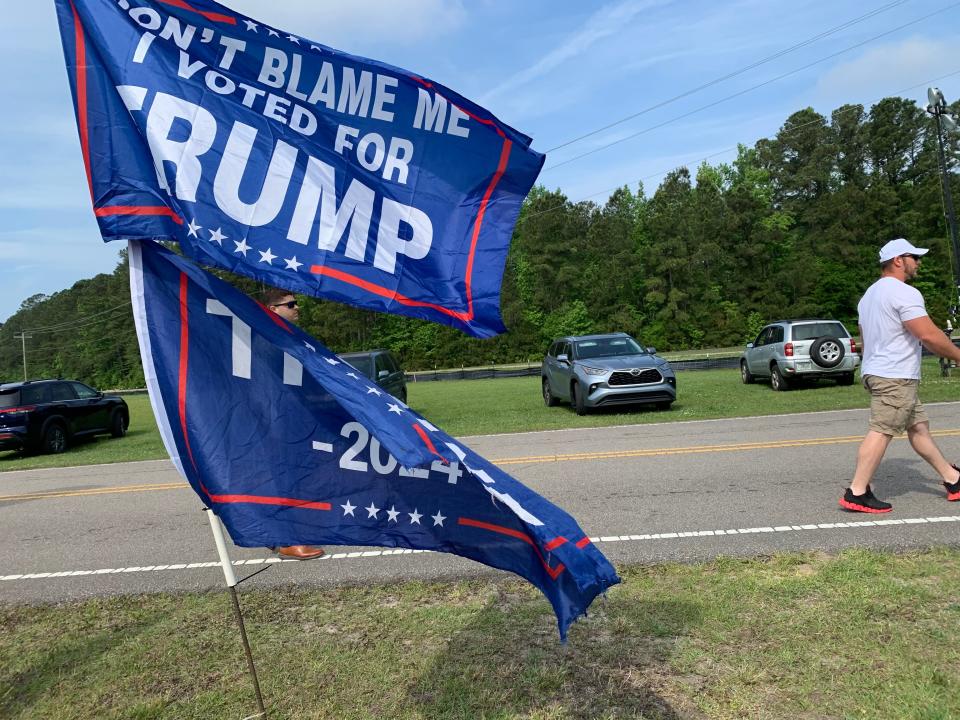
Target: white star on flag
(251, 25)
(415, 517)
(309, 346)
(438, 519)
(348, 509)
(217, 236)
(273, 33)
(353, 375)
(332, 361)
(242, 246)
(373, 391)
(372, 510)
(292, 263)
(192, 229)
(294, 39)
(268, 257)
(392, 512)
(394, 408)
(315, 47)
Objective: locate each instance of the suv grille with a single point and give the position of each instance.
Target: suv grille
(643, 377)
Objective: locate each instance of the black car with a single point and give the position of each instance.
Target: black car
(381, 367)
(46, 415)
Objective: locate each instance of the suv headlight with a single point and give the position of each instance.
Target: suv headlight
(592, 370)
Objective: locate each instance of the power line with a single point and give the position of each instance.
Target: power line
(792, 130)
(749, 89)
(77, 322)
(733, 74)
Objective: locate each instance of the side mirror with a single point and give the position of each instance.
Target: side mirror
(652, 350)
(749, 345)
(562, 357)
(382, 374)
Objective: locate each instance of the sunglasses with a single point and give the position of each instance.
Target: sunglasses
(916, 258)
(289, 305)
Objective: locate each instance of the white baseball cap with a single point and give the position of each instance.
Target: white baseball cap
(898, 247)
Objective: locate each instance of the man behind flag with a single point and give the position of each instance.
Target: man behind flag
(289, 445)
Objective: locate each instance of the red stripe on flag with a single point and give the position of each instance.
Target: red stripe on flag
(275, 317)
(501, 168)
(428, 442)
(184, 353)
(375, 289)
(266, 500)
(555, 543)
(138, 210)
(581, 544)
(81, 83)
(212, 16)
(554, 573)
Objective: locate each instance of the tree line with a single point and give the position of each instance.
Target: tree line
(790, 228)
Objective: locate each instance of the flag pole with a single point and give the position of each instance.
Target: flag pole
(231, 579)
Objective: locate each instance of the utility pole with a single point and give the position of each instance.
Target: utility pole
(23, 337)
(937, 107)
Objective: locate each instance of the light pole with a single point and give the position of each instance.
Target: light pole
(23, 337)
(938, 108)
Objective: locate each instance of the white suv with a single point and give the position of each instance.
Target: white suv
(790, 349)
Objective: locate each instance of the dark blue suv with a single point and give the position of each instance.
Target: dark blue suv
(382, 367)
(45, 415)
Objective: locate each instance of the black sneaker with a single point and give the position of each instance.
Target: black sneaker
(866, 503)
(953, 489)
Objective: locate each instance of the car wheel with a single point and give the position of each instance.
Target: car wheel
(548, 399)
(827, 352)
(54, 439)
(745, 375)
(403, 396)
(665, 405)
(777, 380)
(118, 424)
(576, 399)
(845, 379)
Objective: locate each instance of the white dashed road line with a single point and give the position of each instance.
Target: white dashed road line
(402, 551)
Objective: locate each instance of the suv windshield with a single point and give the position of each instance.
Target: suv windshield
(9, 398)
(811, 331)
(609, 347)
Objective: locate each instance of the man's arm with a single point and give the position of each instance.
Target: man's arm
(863, 340)
(932, 337)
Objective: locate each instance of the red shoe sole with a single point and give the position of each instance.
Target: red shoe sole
(953, 497)
(861, 508)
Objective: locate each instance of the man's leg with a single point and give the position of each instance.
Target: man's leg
(925, 447)
(869, 455)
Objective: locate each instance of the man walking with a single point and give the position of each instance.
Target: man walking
(893, 326)
(285, 305)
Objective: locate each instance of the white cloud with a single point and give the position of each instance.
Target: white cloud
(884, 70)
(609, 20)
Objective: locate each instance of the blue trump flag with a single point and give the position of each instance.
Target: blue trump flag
(288, 444)
(275, 157)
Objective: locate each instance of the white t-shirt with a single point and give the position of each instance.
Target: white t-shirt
(889, 349)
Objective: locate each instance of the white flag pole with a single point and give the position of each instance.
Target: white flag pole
(217, 529)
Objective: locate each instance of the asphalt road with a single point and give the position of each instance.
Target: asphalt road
(647, 493)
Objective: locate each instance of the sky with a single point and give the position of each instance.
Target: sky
(556, 70)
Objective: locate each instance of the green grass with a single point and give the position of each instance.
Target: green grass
(859, 635)
(476, 407)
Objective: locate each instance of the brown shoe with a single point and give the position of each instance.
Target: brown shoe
(299, 552)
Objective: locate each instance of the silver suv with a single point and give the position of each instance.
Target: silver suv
(788, 350)
(598, 370)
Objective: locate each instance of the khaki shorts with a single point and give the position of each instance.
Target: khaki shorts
(894, 404)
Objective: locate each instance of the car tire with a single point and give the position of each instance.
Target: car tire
(54, 439)
(777, 381)
(403, 396)
(745, 375)
(846, 379)
(664, 405)
(577, 400)
(548, 399)
(827, 351)
(119, 423)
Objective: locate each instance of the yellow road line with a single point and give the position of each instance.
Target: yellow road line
(528, 460)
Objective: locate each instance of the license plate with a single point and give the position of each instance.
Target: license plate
(803, 365)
